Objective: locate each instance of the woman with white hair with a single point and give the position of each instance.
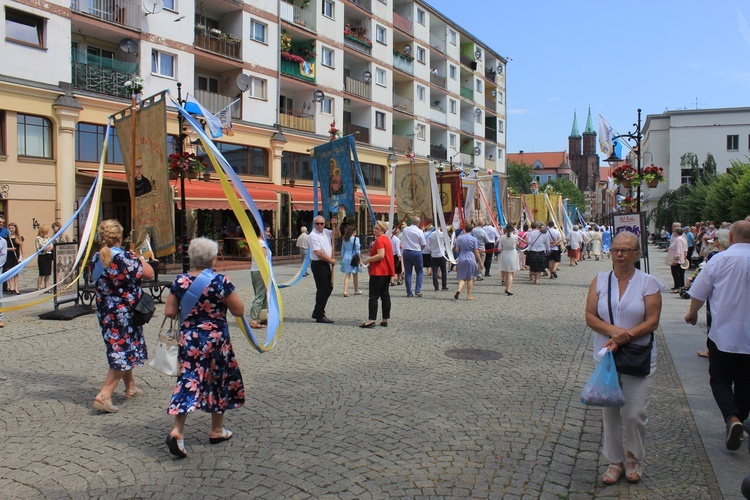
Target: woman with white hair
(575, 240)
(210, 378)
(382, 269)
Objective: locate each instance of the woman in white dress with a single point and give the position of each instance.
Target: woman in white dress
(508, 260)
(596, 243)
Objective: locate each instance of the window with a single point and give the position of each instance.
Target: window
(380, 120)
(686, 176)
(257, 89)
(420, 131)
(327, 105)
(452, 140)
(452, 106)
(452, 37)
(327, 57)
(420, 92)
(380, 76)
(297, 165)
(247, 160)
(89, 140)
(2, 133)
(209, 84)
(478, 85)
(328, 8)
(501, 126)
(380, 35)
(24, 27)
(162, 63)
(258, 31)
(452, 72)
(421, 57)
(373, 174)
(500, 97)
(34, 136)
(170, 5)
(733, 143)
(420, 16)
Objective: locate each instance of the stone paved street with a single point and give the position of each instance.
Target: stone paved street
(335, 411)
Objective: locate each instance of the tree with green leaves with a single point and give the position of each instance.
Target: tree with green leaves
(709, 168)
(689, 161)
(568, 189)
(519, 176)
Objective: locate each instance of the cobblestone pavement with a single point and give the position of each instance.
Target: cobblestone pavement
(335, 411)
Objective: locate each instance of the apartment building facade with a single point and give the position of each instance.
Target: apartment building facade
(397, 74)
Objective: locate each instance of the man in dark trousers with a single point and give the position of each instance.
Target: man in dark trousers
(321, 262)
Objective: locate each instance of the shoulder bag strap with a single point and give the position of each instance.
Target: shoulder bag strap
(609, 303)
(99, 268)
(193, 293)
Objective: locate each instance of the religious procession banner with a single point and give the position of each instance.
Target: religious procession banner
(413, 192)
(450, 184)
(514, 209)
(143, 143)
(332, 162)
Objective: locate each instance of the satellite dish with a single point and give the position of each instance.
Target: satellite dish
(243, 82)
(477, 112)
(153, 6)
(129, 46)
(499, 69)
(477, 54)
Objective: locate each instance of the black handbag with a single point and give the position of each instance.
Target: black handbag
(355, 260)
(144, 310)
(630, 359)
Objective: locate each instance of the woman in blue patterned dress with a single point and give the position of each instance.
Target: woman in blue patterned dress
(350, 247)
(210, 378)
(118, 289)
(469, 261)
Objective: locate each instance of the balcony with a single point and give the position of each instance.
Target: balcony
(361, 134)
(403, 24)
(491, 105)
(468, 62)
(438, 115)
(304, 18)
(365, 4)
(490, 134)
(216, 102)
(357, 87)
(297, 120)
(219, 43)
(438, 80)
(467, 126)
(121, 12)
(101, 80)
(401, 143)
(490, 74)
(402, 63)
(438, 152)
(437, 43)
(403, 104)
(467, 93)
(358, 44)
(295, 69)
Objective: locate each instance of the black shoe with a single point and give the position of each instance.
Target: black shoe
(437, 289)
(176, 447)
(734, 436)
(444, 288)
(408, 295)
(323, 319)
(418, 294)
(368, 325)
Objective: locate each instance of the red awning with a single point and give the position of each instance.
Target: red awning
(204, 195)
(302, 196)
(381, 203)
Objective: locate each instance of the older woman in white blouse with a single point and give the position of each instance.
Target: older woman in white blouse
(636, 306)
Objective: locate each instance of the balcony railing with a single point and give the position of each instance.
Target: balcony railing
(467, 93)
(293, 69)
(438, 115)
(438, 80)
(467, 159)
(361, 134)
(218, 44)
(357, 44)
(490, 104)
(122, 12)
(100, 80)
(468, 61)
(401, 143)
(490, 134)
(467, 126)
(403, 104)
(299, 16)
(438, 43)
(490, 74)
(357, 87)
(365, 4)
(297, 120)
(438, 152)
(403, 64)
(402, 23)
(216, 102)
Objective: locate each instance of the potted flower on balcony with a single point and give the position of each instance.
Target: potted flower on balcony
(625, 175)
(188, 163)
(653, 175)
(134, 87)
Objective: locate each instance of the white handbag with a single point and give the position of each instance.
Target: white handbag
(166, 355)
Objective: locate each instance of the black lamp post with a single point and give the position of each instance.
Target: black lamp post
(183, 211)
(637, 137)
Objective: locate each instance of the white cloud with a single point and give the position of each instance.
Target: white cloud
(744, 29)
(522, 111)
(553, 99)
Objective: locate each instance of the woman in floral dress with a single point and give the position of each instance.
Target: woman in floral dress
(210, 378)
(118, 277)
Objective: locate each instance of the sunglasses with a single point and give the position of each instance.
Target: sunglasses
(320, 223)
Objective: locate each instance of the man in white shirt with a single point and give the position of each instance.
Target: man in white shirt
(321, 262)
(412, 243)
(724, 280)
(493, 237)
(481, 236)
(438, 259)
(302, 243)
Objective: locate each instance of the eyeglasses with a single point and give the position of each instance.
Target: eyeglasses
(623, 251)
(320, 223)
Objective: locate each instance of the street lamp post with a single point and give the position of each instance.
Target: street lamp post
(613, 158)
(183, 211)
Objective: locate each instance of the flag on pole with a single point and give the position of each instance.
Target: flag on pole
(606, 132)
(225, 118)
(193, 107)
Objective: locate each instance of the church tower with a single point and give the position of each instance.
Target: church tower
(574, 147)
(590, 160)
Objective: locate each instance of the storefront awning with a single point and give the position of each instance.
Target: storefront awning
(202, 195)
(302, 196)
(381, 203)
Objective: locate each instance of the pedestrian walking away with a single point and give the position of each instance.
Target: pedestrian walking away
(412, 243)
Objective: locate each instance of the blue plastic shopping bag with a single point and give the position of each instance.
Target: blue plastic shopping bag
(603, 387)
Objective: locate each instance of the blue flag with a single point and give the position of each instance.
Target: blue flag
(332, 162)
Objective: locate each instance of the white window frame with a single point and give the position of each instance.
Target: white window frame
(420, 131)
(500, 127)
(500, 97)
(328, 9)
(452, 141)
(258, 88)
(380, 77)
(452, 37)
(421, 55)
(452, 106)
(421, 93)
(253, 25)
(170, 5)
(452, 71)
(157, 63)
(381, 35)
(327, 105)
(328, 57)
(379, 115)
(421, 16)
(478, 85)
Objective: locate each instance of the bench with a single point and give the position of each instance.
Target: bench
(155, 287)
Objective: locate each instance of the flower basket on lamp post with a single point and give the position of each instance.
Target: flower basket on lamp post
(186, 163)
(625, 175)
(653, 175)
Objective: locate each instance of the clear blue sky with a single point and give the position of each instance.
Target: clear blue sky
(567, 55)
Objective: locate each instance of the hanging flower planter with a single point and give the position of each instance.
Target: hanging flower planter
(188, 163)
(624, 183)
(653, 176)
(652, 184)
(625, 175)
